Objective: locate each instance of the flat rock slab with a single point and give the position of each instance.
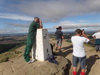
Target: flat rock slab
(36, 68)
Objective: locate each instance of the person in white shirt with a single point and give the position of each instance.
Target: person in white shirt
(96, 36)
(79, 55)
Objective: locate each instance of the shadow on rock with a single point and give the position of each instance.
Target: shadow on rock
(67, 71)
(90, 62)
(66, 51)
(68, 47)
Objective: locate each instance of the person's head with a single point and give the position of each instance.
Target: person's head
(36, 19)
(78, 32)
(59, 28)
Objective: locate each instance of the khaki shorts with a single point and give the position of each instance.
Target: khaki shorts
(59, 42)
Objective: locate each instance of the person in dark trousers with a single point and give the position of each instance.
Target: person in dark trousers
(96, 36)
(31, 38)
(59, 38)
(79, 55)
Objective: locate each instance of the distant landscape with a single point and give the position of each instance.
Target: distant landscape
(11, 41)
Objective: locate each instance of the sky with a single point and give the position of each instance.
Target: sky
(16, 15)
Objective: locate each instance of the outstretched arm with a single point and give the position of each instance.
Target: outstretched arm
(85, 37)
(83, 33)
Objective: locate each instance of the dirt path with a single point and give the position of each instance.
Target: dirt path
(92, 62)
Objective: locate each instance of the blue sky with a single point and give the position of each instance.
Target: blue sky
(16, 15)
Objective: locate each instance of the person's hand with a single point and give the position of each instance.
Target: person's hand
(62, 38)
(40, 21)
(83, 32)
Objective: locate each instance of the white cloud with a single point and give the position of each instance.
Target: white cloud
(50, 11)
(13, 30)
(18, 25)
(83, 21)
(70, 25)
(54, 10)
(16, 17)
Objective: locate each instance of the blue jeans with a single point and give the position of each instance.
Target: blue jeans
(80, 60)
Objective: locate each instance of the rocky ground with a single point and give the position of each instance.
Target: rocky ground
(17, 65)
(92, 62)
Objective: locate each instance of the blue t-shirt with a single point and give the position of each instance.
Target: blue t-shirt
(59, 34)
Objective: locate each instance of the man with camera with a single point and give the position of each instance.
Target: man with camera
(79, 55)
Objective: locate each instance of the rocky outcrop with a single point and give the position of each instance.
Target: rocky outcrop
(19, 67)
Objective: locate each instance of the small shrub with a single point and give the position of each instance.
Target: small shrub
(4, 59)
(17, 52)
(68, 40)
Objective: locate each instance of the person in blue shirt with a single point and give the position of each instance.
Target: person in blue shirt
(59, 38)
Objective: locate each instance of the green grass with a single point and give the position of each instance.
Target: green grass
(4, 57)
(68, 40)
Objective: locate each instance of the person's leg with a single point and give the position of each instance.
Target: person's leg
(97, 48)
(60, 44)
(57, 44)
(75, 62)
(82, 64)
(74, 69)
(34, 50)
(28, 49)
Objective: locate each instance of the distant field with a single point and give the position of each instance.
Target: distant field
(10, 42)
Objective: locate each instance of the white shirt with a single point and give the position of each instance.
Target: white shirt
(97, 35)
(78, 45)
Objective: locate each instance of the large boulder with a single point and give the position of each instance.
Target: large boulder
(36, 68)
(44, 68)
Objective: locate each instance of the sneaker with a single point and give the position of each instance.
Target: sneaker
(31, 61)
